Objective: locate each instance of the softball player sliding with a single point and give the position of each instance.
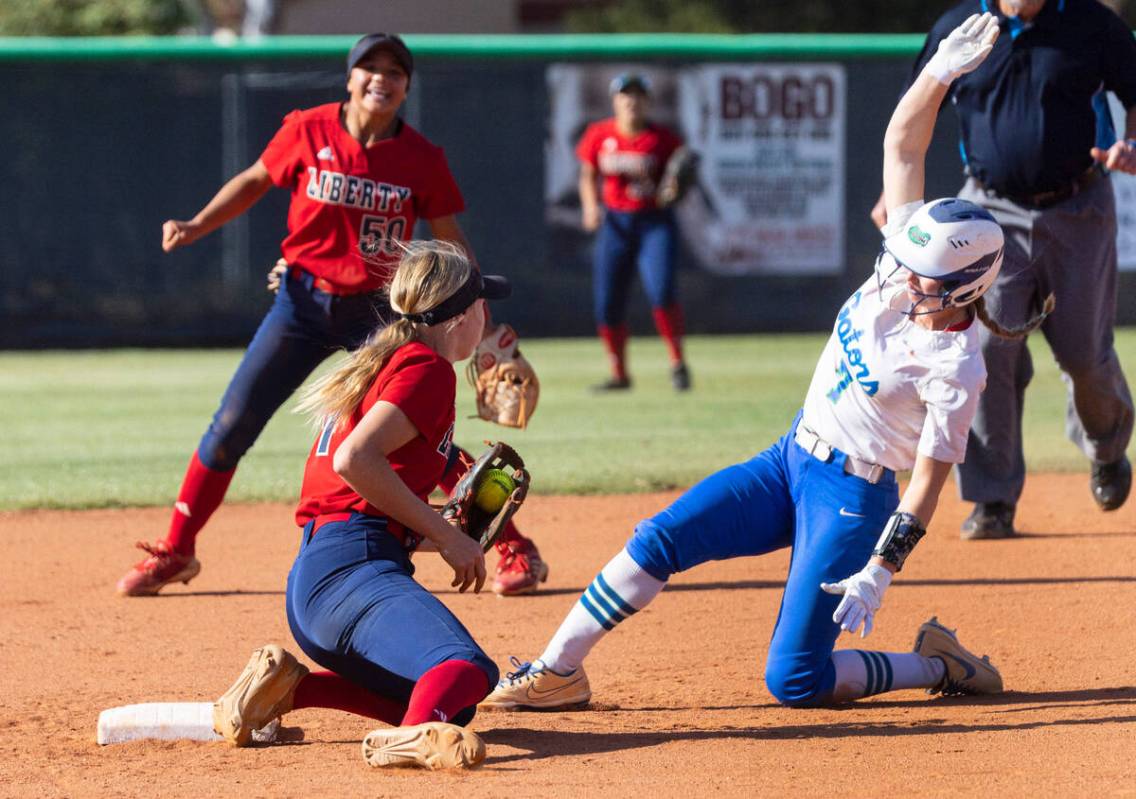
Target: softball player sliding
(895, 388)
(629, 154)
(394, 652)
(360, 177)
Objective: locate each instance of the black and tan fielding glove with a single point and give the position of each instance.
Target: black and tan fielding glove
(463, 507)
(679, 175)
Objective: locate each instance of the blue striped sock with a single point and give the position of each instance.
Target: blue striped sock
(620, 590)
(860, 673)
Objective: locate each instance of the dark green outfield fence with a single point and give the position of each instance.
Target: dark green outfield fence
(104, 139)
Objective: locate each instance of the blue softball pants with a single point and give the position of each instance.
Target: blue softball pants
(355, 608)
(647, 239)
(304, 326)
(783, 497)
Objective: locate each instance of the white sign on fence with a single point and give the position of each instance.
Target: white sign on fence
(772, 141)
(770, 194)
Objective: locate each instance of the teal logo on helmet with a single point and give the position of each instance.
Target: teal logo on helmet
(917, 236)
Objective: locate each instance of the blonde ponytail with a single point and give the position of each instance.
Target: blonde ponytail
(1013, 332)
(337, 394)
(428, 273)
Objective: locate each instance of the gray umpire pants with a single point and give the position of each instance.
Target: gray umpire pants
(1068, 249)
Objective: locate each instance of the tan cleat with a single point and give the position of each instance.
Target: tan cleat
(534, 687)
(262, 693)
(966, 672)
(433, 745)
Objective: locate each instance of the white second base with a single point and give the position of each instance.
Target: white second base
(167, 721)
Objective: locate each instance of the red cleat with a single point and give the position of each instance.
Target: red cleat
(161, 567)
(521, 568)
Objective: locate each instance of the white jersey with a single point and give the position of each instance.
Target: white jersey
(886, 388)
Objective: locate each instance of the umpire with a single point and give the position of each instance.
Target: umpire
(1037, 144)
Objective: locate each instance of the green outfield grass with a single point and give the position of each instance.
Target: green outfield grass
(99, 429)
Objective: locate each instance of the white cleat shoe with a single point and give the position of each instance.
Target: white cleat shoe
(966, 673)
(533, 686)
(433, 745)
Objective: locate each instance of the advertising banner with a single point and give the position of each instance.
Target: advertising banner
(772, 139)
(769, 199)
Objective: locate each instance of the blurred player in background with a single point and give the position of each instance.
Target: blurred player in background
(1029, 122)
(627, 154)
(895, 389)
(394, 652)
(359, 177)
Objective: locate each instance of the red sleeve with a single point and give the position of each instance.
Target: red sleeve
(281, 156)
(444, 197)
(424, 389)
(588, 149)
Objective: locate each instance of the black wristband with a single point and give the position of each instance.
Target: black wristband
(901, 533)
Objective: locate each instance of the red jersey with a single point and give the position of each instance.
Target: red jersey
(422, 385)
(351, 203)
(631, 166)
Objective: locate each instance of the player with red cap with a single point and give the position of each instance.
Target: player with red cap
(626, 155)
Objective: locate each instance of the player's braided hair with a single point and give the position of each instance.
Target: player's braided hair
(1013, 332)
(428, 273)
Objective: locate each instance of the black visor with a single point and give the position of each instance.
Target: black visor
(491, 287)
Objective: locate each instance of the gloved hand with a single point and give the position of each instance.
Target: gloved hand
(964, 49)
(504, 382)
(862, 594)
(462, 509)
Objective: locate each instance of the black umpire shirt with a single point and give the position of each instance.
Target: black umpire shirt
(1026, 113)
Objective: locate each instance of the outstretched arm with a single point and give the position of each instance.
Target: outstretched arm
(913, 122)
(233, 199)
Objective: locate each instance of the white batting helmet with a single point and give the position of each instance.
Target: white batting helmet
(953, 241)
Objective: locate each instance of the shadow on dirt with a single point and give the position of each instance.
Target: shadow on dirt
(766, 585)
(233, 592)
(1079, 534)
(539, 744)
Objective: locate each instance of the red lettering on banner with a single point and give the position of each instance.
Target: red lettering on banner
(792, 97)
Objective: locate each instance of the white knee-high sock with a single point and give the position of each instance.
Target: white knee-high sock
(860, 673)
(619, 590)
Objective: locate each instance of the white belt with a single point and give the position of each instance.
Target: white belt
(813, 444)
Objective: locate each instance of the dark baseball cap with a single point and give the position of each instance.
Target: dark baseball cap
(630, 82)
(390, 42)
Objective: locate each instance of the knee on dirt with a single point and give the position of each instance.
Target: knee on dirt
(795, 684)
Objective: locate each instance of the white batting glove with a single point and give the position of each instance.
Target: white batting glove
(964, 49)
(862, 594)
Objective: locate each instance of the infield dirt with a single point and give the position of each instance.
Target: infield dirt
(680, 708)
